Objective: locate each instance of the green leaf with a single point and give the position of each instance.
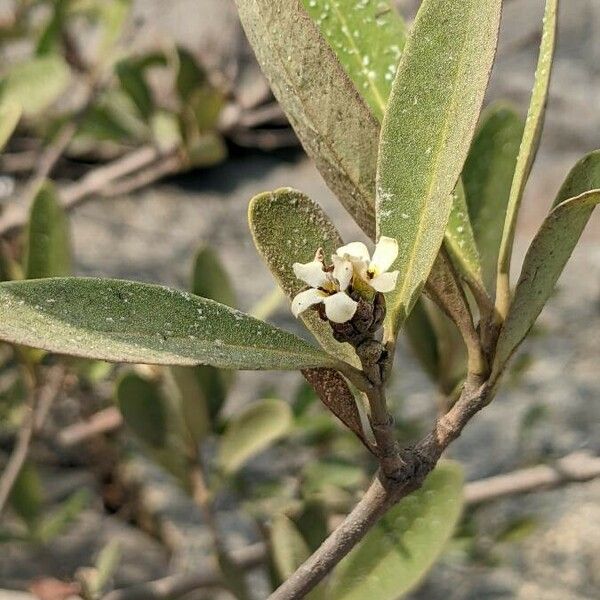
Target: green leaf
(288, 547)
(122, 321)
(333, 123)
(423, 339)
(368, 38)
(583, 177)
(252, 431)
(288, 227)
(133, 82)
(396, 554)
(106, 565)
(26, 496)
(544, 262)
(193, 403)
(432, 113)
(460, 240)
(165, 129)
(143, 408)
(210, 279)
(37, 83)
(50, 39)
(113, 17)
(527, 151)
(48, 250)
(55, 523)
(10, 114)
(487, 177)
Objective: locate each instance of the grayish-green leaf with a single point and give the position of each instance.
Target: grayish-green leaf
(193, 402)
(289, 227)
(54, 523)
(432, 113)
(48, 250)
(368, 38)
(423, 339)
(36, 83)
(460, 240)
(10, 113)
(252, 431)
(402, 547)
(122, 321)
(26, 496)
(143, 408)
(487, 177)
(527, 151)
(333, 123)
(544, 262)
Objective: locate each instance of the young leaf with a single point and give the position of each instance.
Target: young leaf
(402, 547)
(48, 250)
(54, 523)
(210, 279)
(10, 113)
(36, 83)
(426, 133)
(26, 496)
(368, 38)
(545, 260)
(333, 123)
(527, 151)
(487, 177)
(143, 408)
(252, 431)
(133, 82)
(122, 321)
(460, 240)
(288, 227)
(106, 564)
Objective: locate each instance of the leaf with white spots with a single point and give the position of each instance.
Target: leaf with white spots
(122, 321)
(368, 37)
(395, 555)
(431, 116)
(527, 151)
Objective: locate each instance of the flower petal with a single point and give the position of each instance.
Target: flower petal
(385, 282)
(306, 299)
(340, 308)
(342, 271)
(386, 252)
(311, 273)
(354, 251)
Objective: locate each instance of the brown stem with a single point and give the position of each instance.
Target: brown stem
(385, 492)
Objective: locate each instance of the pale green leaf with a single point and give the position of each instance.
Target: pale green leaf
(432, 113)
(396, 554)
(460, 240)
(48, 250)
(26, 496)
(288, 227)
(487, 177)
(193, 402)
(122, 321)
(252, 431)
(544, 262)
(106, 565)
(165, 129)
(143, 408)
(527, 151)
(288, 546)
(368, 38)
(36, 83)
(210, 279)
(10, 113)
(333, 123)
(55, 522)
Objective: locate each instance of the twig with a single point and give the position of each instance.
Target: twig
(576, 467)
(103, 421)
(178, 585)
(43, 396)
(97, 182)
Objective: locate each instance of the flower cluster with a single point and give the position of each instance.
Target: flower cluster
(352, 270)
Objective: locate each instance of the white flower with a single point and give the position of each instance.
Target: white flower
(373, 271)
(328, 288)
